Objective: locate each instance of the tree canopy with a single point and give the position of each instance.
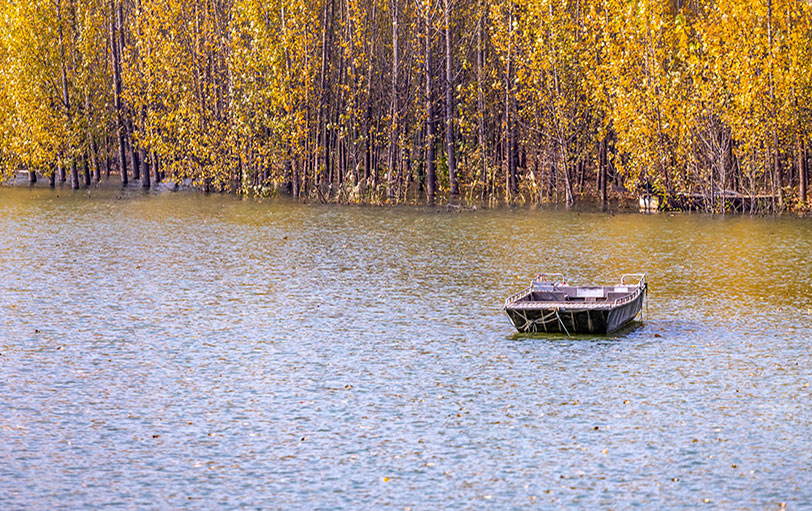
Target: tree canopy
(409, 100)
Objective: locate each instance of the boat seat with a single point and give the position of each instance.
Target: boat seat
(549, 296)
(614, 296)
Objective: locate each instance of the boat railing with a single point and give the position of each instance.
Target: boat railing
(518, 296)
(628, 298)
(541, 277)
(640, 279)
(640, 286)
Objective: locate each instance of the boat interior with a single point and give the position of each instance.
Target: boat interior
(588, 294)
(553, 288)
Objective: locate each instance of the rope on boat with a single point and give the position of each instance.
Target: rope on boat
(533, 323)
(561, 322)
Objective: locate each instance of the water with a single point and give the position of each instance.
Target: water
(183, 351)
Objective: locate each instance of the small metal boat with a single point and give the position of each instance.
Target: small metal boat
(552, 305)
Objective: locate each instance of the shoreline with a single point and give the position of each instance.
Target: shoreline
(587, 204)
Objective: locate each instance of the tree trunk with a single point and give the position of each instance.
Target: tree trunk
(95, 159)
(393, 128)
(481, 103)
(510, 134)
(778, 176)
(66, 100)
(512, 149)
(602, 177)
(566, 171)
(115, 24)
(74, 175)
(156, 170)
(778, 169)
(32, 177)
(145, 181)
(106, 159)
(86, 169)
(320, 157)
(431, 179)
(134, 159)
(802, 171)
(450, 138)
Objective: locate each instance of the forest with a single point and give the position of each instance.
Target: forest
(415, 101)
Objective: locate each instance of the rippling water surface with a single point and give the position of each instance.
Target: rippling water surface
(182, 351)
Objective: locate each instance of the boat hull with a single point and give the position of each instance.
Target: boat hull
(540, 317)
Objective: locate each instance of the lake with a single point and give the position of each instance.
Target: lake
(183, 351)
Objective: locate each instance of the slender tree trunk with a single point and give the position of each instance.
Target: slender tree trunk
(431, 179)
(320, 162)
(145, 177)
(134, 159)
(156, 169)
(142, 153)
(778, 175)
(86, 170)
(115, 24)
(74, 175)
(506, 137)
(393, 129)
(32, 177)
(802, 171)
(603, 177)
(66, 102)
(61, 170)
(94, 148)
(481, 103)
(778, 170)
(450, 137)
(511, 151)
(52, 179)
(566, 172)
(106, 158)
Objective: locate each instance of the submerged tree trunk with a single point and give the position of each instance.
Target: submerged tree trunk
(32, 177)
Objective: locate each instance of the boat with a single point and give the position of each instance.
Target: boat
(549, 304)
